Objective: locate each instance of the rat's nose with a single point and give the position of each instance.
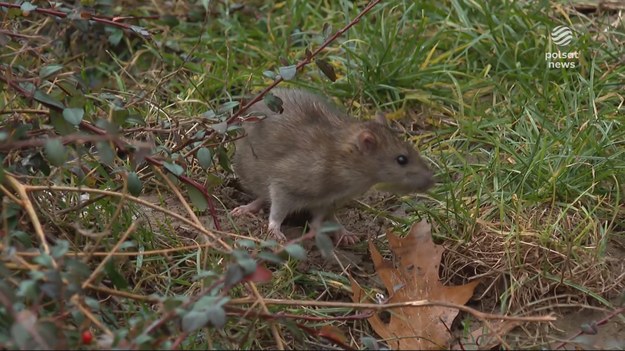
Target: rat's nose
(427, 180)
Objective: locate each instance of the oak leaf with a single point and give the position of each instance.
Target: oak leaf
(414, 276)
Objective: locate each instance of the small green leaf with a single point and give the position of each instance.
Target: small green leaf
(73, 115)
(247, 243)
(141, 31)
(60, 249)
(269, 257)
(105, 152)
(220, 128)
(120, 117)
(224, 161)
(206, 302)
(326, 69)
(370, 343)
(194, 320)
(25, 322)
(228, 106)
(27, 289)
(273, 102)
(204, 158)
(27, 7)
(244, 260)
(117, 278)
(44, 259)
(269, 74)
(197, 198)
(175, 169)
(296, 251)
(324, 243)
(329, 227)
(134, 184)
(217, 316)
(590, 328)
(47, 71)
(205, 274)
(55, 152)
(60, 124)
(115, 37)
(140, 258)
(47, 100)
(205, 4)
(234, 274)
(210, 114)
(288, 72)
(143, 339)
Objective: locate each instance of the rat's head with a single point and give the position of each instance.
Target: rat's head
(395, 164)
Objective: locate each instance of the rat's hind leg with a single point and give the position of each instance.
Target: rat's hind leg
(252, 207)
(343, 236)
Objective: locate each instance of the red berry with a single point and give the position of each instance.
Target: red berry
(87, 337)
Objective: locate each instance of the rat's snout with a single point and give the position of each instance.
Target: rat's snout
(425, 180)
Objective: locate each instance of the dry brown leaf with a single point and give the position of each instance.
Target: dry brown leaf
(415, 278)
(484, 338)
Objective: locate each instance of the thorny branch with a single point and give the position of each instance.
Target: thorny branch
(83, 15)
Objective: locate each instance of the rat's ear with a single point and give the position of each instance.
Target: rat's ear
(367, 141)
(380, 118)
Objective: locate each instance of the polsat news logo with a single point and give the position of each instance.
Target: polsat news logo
(562, 36)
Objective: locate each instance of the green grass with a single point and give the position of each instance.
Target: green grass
(530, 159)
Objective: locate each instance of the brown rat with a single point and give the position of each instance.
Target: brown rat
(315, 157)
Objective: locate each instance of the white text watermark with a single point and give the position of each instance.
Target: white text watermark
(562, 37)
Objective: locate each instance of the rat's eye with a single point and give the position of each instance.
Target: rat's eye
(402, 160)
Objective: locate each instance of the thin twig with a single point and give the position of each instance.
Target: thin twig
(416, 303)
(28, 206)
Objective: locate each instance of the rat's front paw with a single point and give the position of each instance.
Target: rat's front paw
(345, 238)
(239, 211)
(274, 230)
